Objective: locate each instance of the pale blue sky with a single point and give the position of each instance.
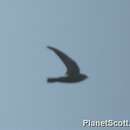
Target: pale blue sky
(94, 32)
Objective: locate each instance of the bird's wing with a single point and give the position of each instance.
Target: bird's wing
(72, 67)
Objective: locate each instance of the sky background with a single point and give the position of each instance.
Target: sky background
(93, 32)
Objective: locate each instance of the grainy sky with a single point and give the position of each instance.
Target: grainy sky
(93, 32)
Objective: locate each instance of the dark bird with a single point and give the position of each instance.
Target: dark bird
(73, 74)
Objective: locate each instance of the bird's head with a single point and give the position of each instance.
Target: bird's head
(83, 76)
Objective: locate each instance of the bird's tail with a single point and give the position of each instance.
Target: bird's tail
(51, 80)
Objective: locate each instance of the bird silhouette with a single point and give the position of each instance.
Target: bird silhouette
(73, 74)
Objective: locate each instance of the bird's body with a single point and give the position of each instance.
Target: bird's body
(73, 74)
(67, 79)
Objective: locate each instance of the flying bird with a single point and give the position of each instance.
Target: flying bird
(73, 74)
